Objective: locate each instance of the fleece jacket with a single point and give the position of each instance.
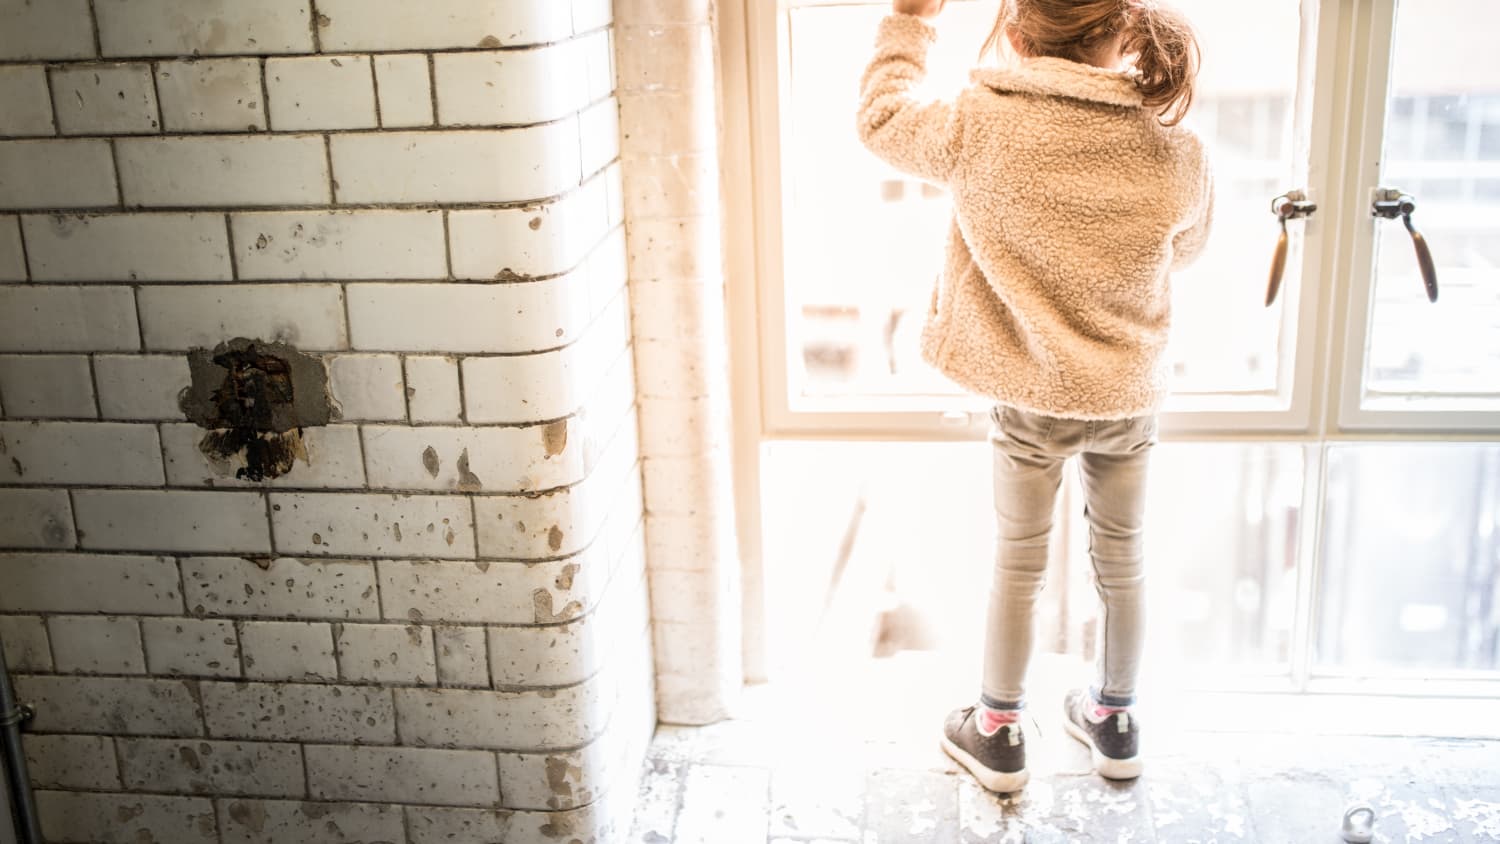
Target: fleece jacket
(1072, 206)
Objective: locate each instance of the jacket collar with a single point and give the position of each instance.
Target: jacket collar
(1062, 78)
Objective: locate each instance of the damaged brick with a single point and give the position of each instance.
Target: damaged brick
(255, 399)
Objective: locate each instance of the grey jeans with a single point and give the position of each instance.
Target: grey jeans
(1030, 451)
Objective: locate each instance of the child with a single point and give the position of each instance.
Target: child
(1075, 192)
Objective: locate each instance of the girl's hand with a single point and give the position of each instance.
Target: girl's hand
(920, 8)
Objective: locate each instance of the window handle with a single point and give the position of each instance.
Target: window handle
(1391, 203)
(1291, 205)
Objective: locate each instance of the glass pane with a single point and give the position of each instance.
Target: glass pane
(864, 522)
(1223, 522)
(1442, 147)
(1411, 558)
(864, 243)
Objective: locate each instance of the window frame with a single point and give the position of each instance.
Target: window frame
(1341, 106)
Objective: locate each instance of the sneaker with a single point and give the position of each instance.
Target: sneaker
(998, 760)
(1112, 734)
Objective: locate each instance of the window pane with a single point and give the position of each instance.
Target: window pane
(1443, 147)
(1411, 559)
(1223, 522)
(863, 243)
(868, 522)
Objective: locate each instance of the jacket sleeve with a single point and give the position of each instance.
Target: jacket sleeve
(919, 139)
(1188, 244)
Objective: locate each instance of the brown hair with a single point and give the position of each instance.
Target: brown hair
(1158, 39)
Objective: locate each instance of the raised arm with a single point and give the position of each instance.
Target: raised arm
(915, 138)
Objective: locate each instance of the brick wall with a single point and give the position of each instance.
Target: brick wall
(670, 149)
(320, 500)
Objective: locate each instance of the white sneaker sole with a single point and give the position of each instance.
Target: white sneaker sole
(1110, 769)
(996, 781)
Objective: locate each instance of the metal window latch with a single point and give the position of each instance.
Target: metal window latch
(1292, 205)
(1390, 203)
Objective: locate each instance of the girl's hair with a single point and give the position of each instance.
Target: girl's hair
(1157, 37)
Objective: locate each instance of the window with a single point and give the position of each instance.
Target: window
(1346, 435)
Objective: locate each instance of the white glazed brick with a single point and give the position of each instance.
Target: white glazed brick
(679, 367)
(462, 661)
(73, 173)
(385, 653)
(67, 319)
(553, 781)
(224, 170)
(140, 386)
(521, 243)
(432, 392)
(459, 166)
(36, 518)
(96, 644)
(71, 762)
(57, 29)
(341, 244)
(287, 822)
(442, 24)
(477, 318)
(26, 648)
(330, 459)
(152, 520)
(492, 593)
(308, 317)
(367, 387)
(386, 525)
(84, 583)
(299, 712)
(474, 459)
(284, 586)
(403, 775)
(553, 655)
(196, 766)
(12, 255)
(511, 87)
(563, 654)
(562, 521)
(125, 818)
(405, 88)
(550, 719)
(47, 386)
(287, 650)
(120, 706)
(592, 14)
(133, 247)
(25, 108)
(203, 27)
(191, 647)
(531, 388)
(110, 99)
(599, 63)
(321, 92)
(102, 453)
(599, 135)
(211, 95)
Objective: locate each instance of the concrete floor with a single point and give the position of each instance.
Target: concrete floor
(807, 764)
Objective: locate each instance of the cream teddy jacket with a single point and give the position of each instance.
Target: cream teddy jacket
(1072, 203)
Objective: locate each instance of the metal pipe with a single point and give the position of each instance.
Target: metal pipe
(11, 716)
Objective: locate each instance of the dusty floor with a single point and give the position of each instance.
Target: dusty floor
(798, 768)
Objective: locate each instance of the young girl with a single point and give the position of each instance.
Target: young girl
(1076, 193)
